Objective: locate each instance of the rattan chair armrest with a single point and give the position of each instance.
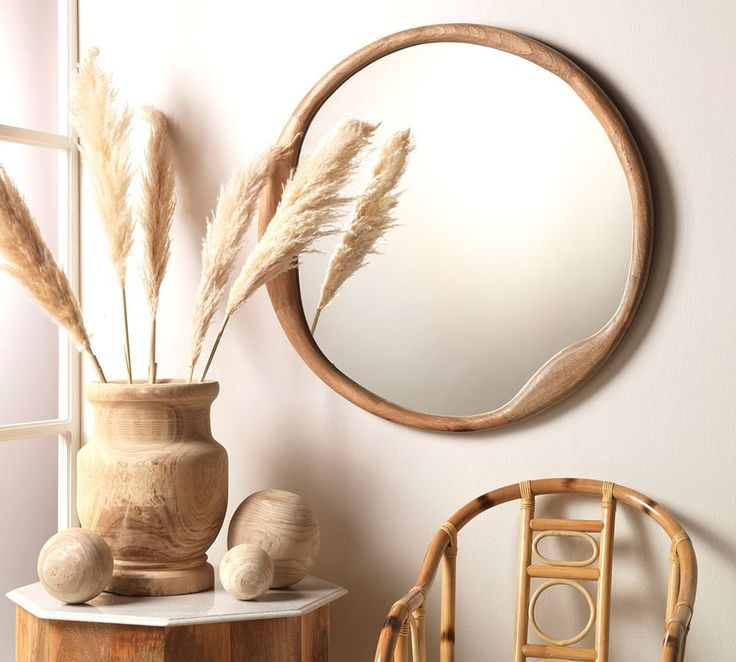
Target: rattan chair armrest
(676, 631)
(395, 620)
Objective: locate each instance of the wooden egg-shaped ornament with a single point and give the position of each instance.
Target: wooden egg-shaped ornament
(246, 572)
(284, 526)
(75, 565)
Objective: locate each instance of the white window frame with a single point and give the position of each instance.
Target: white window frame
(67, 427)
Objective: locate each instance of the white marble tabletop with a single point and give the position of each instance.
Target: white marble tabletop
(207, 607)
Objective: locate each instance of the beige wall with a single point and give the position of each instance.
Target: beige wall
(660, 417)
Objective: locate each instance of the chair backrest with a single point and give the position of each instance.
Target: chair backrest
(405, 621)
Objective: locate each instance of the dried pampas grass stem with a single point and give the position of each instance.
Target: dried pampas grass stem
(156, 216)
(103, 142)
(222, 243)
(373, 217)
(28, 259)
(311, 202)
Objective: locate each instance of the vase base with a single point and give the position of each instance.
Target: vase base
(161, 581)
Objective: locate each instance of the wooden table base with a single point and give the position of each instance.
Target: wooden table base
(295, 639)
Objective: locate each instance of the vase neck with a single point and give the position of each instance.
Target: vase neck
(151, 422)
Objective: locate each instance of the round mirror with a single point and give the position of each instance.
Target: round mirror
(522, 237)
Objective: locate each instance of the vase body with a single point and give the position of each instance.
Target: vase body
(154, 483)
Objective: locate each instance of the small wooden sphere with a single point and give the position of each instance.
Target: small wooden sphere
(75, 565)
(284, 526)
(246, 572)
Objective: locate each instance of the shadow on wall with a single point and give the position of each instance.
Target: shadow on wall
(349, 554)
(199, 157)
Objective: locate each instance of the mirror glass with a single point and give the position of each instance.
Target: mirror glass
(513, 236)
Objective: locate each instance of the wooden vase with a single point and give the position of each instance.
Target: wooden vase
(154, 483)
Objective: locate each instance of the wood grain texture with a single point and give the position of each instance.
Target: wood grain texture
(284, 526)
(75, 565)
(295, 639)
(569, 368)
(315, 635)
(266, 641)
(31, 642)
(198, 643)
(683, 570)
(153, 483)
(246, 572)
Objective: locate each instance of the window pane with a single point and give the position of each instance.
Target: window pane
(29, 64)
(29, 340)
(28, 500)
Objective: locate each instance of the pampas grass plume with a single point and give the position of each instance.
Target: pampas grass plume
(223, 240)
(27, 258)
(312, 200)
(372, 218)
(156, 216)
(103, 143)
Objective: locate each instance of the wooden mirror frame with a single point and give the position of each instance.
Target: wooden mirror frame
(569, 368)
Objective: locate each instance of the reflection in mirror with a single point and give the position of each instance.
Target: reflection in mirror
(513, 239)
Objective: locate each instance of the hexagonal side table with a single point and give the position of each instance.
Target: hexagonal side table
(288, 625)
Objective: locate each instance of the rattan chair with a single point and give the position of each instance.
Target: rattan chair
(405, 621)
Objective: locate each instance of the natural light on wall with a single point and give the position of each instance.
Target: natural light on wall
(38, 47)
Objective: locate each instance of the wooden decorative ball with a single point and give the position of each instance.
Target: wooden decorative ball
(75, 565)
(246, 572)
(284, 526)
